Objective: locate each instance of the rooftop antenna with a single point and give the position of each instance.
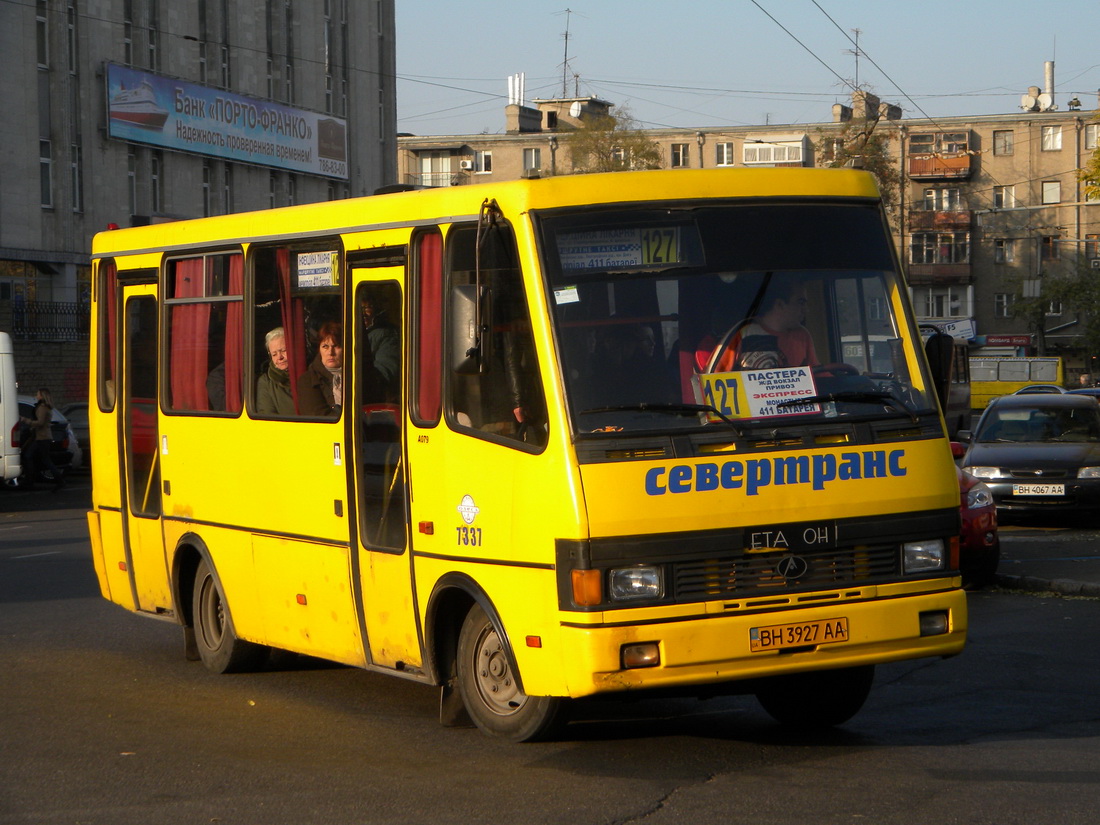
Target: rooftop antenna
(855, 52)
(565, 62)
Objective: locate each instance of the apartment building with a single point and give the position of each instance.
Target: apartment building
(990, 207)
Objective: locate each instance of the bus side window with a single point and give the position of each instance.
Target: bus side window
(296, 299)
(505, 397)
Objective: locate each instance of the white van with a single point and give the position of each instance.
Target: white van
(9, 411)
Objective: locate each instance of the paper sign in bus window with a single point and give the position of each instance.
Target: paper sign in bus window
(758, 393)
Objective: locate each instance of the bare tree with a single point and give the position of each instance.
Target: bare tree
(612, 143)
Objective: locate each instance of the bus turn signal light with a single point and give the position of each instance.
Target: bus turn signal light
(587, 588)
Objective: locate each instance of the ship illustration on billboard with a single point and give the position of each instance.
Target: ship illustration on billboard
(138, 106)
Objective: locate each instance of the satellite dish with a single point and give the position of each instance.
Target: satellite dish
(1044, 100)
(575, 109)
(1029, 103)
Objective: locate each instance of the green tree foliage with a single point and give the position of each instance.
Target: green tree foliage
(858, 144)
(612, 143)
(1079, 295)
(1090, 173)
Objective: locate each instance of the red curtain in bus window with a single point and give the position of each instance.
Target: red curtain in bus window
(294, 325)
(430, 327)
(234, 326)
(188, 362)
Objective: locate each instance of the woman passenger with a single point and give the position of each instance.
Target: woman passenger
(321, 387)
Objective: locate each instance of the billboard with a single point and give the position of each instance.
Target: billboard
(143, 107)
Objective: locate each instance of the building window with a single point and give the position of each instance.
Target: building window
(206, 189)
(939, 248)
(227, 188)
(1054, 308)
(941, 301)
(1092, 245)
(1048, 248)
(152, 43)
(483, 162)
(942, 200)
(532, 160)
(1004, 197)
(1004, 251)
(723, 154)
(76, 170)
(1052, 138)
(1091, 131)
(42, 34)
(70, 16)
(128, 32)
(949, 143)
(131, 182)
(156, 163)
(768, 153)
(1002, 304)
(1052, 191)
(1002, 142)
(272, 188)
(45, 174)
(680, 157)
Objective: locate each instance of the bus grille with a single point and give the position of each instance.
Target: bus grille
(760, 574)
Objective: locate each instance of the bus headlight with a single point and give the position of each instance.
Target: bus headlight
(922, 556)
(642, 581)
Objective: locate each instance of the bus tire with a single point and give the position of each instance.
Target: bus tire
(218, 646)
(818, 699)
(490, 690)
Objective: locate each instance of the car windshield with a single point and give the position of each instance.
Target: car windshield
(1023, 425)
(758, 315)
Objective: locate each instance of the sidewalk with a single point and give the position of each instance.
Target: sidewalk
(1058, 562)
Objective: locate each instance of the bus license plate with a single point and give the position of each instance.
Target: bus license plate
(1038, 489)
(799, 634)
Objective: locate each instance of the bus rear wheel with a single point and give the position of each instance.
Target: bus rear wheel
(818, 699)
(219, 647)
(490, 689)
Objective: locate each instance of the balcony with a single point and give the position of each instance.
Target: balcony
(939, 166)
(435, 180)
(930, 221)
(937, 274)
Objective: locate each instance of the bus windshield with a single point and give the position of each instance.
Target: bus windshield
(752, 316)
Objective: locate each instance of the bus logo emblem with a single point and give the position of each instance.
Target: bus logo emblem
(468, 510)
(792, 568)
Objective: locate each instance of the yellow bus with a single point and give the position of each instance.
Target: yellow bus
(997, 375)
(490, 438)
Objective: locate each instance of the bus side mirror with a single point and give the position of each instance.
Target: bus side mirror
(940, 349)
(470, 334)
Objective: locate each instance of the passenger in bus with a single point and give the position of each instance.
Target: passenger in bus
(321, 386)
(775, 336)
(382, 359)
(273, 395)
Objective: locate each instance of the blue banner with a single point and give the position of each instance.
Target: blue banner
(143, 107)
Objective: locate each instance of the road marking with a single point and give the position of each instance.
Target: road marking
(37, 555)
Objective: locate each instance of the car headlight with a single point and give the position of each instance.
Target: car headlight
(983, 472)
(642, 581)
(979, 496)
(1088, 472)
(921, 556)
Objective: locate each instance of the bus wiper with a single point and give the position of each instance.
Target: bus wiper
(675, 409)
(856, 396)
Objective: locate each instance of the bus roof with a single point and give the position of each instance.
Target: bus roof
(449, 204)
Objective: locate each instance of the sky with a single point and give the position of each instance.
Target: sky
(715, 63)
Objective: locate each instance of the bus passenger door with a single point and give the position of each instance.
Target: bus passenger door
(384, 569)
(145, 557)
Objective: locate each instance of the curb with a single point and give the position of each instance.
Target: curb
(1034, 584)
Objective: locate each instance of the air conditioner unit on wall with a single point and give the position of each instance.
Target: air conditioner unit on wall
(467, 165)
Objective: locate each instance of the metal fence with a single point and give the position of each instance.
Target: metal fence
(49, 321)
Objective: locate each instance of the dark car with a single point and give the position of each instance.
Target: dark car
(1093, 392)
(61, 451)
(1038, 453)
(1040, 389)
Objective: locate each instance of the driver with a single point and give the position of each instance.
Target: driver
(775, 337)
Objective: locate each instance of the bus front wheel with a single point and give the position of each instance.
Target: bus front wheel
(489, 688)
(818, 699)
(218, 646)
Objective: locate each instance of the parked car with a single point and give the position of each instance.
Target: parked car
(1038, 453)
(1090, 391)
(1032, 389)
(63, 450)
(77, 415)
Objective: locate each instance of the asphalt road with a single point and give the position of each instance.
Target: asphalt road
(103, 721)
